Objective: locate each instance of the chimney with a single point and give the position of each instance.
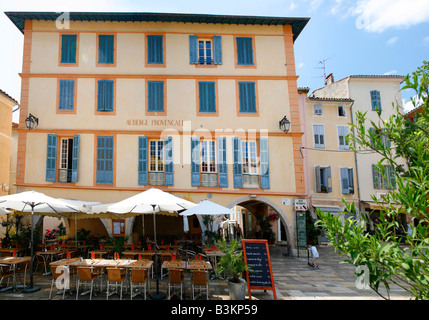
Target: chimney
(329, 79)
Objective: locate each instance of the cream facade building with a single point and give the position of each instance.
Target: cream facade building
(189, 104)
(370, 94)
(330, 165)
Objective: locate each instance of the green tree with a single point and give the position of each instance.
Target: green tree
(390, 256)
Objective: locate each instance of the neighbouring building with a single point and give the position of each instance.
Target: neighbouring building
(188, 103)
(372, 94)
(329, 162)
(7, 103)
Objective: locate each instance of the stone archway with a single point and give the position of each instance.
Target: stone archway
(248, 201)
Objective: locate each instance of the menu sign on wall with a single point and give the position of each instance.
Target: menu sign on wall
(257, 257)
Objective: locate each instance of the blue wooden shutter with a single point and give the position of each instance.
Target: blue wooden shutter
(207, 97)
(193, 56)
(142, 167)
(68, 48)
(247, 97)
(66, 96)
(376, 177)
(244, 51)
(345, 184)
(217, 46)
(168, 160)
(105, 95)
(75, 158)
(317, 179)
(237, 166)
(104, 160)
(195, 161)
(51, 158)
(390, 177)
(328, 179)
(106, 48)
(222, 164)
(264, 160)
(343, 131)
(155, 96)
(155, 50)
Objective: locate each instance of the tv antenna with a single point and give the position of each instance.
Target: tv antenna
(322, 64)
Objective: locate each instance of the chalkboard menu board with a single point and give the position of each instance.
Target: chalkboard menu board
(257, 257)
(301, 229)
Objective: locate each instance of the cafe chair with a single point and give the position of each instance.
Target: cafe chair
(164, 258)
(199, 281)
(175, 280)
(115, 277)
(139, 279)
(85, 276)
(56, 274)
(148, 256)
(41, 260)
(22, 268)
(5, 273)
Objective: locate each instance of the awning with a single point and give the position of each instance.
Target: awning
(331, 209)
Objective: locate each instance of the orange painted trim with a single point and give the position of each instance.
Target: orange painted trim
(94, 172)
(157, 134)
(159, 76)
(237, 66)
(207, 114)
(146, 109)
(60, 41)
(105, 113)
(165, 188)
(237, 93)
(25, 91)
(164, 49)
(178, 32)
(57, 110)
(115, 46)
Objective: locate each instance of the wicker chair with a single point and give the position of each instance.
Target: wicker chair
(85, 276)
(175, 279)
(138, 279)
(200, 281)
(115, 277)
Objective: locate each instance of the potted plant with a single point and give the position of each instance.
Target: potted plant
(232, 264)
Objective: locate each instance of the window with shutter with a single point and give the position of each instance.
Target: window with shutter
(106, 49)
(68, 49)
(155, 50)
(319, 136)
(105, 161)
(105, 95)
(142, 162)
(343, 143)
(317, 109)
(155, 96)
(207, 97)
(247, 97)
(244, 47)
(375, 100)
(66, 95)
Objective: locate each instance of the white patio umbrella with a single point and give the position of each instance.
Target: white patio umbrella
(40, 204)
(207, 207)
(152, 200)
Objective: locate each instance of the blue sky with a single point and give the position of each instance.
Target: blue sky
(351, 36)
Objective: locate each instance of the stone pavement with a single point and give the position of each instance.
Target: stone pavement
(293, 278)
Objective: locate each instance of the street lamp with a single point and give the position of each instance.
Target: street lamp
(31, 122)
(284, 124)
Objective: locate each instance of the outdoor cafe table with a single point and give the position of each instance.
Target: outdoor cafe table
(13, 262)
(50, 253)
(9, 251)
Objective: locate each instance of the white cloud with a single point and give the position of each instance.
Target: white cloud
(301, 64)
(392, 41)
(380, 15)
(388, 73)
(426, 41)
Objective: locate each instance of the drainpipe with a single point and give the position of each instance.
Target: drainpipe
(356, 162)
